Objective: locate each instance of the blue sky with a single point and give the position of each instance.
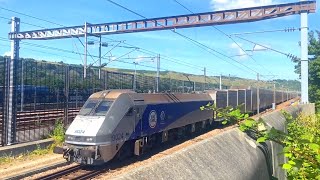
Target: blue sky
(166, 43)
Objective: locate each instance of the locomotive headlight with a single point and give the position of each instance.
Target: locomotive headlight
(70, 138)
(89, 139)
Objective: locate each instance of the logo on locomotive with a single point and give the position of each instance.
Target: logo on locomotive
(153, 119)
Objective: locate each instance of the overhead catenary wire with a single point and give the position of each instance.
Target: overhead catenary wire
(269, 48)
(174, 60)
(163, 56)
(266, 31)
(223, 34)
(201, 45)
(68, 51)
(44, 20)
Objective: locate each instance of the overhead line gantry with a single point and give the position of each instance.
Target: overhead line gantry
(171, 22)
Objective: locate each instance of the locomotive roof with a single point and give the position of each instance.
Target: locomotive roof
(110, 94)
(170, 97)
(152, 97)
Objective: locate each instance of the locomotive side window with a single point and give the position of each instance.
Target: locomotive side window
(130, 112)
(103, 108)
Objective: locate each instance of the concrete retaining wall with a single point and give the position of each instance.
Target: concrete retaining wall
(278, 121)
(23, 148)
(229, 155)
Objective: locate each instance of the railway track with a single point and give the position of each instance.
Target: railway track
(116, 166)
(40, 118)
(76, 172)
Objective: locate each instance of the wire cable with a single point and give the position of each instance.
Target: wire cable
(266, 31)
(223, 34)
(280, 52)
(58, 25)
(162, 56)
(203, 46)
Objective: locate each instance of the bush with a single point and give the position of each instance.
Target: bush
(58, 133)
(302, 148)
(301, 143)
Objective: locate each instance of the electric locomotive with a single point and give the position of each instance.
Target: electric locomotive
(118, 123)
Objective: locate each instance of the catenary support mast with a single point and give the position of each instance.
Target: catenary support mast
(304, 57)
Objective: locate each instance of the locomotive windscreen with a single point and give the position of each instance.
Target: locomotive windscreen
(102, 108)
(95, 107)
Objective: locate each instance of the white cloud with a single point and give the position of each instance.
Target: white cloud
(8, 53)
(139, 58)
(237, 49)
(235, 4)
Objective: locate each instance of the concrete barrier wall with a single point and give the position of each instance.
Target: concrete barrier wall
(278, 121)
(229, 155)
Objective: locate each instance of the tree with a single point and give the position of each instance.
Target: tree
(314, 69)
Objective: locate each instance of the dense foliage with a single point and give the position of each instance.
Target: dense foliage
(314, 69)
(301, 142)
(302, 147)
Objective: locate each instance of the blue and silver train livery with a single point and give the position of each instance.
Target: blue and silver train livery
(116, 124)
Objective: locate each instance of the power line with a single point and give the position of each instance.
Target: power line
(27, 15)
(203, 46)
(30, 16)
(280, 52)
(54, 24)
(68, 51)
(266, 31)
(163, 56)
(223, 34)
(174, 60)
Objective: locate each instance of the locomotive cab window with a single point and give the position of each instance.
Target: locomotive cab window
(95, 107)
(88, 106)
(103, 108)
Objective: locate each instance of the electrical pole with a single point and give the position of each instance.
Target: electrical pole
(220, 83)
(22, 86)
(205, 78)
(158, 73)
(274, 95)
(231, 84)
(10, 103)
(85, 51)
(258, 95)
(100, 57)
(304, 57)
(135, 76)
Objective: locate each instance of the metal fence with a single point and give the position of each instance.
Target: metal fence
(48, 92)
